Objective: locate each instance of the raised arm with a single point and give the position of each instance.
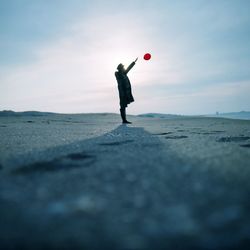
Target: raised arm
(130, 66)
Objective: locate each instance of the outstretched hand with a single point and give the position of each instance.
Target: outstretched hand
(136, 59)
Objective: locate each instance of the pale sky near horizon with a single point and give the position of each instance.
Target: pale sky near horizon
(60, 55)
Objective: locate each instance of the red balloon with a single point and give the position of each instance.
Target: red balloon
(147, 56)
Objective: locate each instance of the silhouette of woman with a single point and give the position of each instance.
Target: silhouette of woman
(124, 87)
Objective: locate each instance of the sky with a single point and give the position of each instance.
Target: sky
(60, 55)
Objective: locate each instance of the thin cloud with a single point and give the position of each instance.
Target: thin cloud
(198, 48)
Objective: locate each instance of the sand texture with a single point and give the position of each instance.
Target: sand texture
(86, 181)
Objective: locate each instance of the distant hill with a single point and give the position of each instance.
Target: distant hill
(159, 115)
(244, 115)
(8, 113)
(25, 113)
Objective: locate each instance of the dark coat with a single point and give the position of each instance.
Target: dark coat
(124, 86)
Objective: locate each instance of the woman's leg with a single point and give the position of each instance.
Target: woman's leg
(123, 115)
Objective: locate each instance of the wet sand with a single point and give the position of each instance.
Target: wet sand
(86, 181)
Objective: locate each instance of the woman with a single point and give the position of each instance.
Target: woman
(124, 87)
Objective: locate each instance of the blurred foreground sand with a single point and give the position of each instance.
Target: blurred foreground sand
(84, 181)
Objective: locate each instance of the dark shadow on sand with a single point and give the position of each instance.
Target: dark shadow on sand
(67, 162)
(71, 159)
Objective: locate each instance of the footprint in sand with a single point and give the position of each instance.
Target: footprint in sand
(208, 132)
(245, 145)
(116, 143)
(67, 162)
(176, 137)
(233, 139)
(166, 133)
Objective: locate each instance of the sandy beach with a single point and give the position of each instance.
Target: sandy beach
(86, 181)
